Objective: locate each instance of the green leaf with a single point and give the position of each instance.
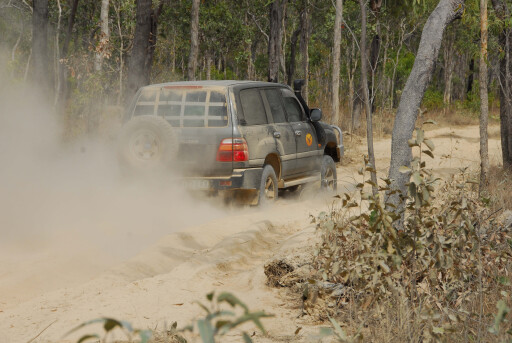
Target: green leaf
(412, 143)
(86, 337)
(206, 331)
(246, 337)
(429, 144)
(337, 329)
(232, 300)
(429, 153)
(93, 321)
(438, 330)
(500, 317)
(209, 296)
(145, 336)
(419, 136)
(404, 169)
(416, 178)
(430, 121)
(110, 324)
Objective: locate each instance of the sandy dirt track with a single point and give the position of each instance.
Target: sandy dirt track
(210, 248)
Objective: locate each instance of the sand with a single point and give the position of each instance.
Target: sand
(145, 253)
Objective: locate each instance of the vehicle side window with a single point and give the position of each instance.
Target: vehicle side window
(293, 109)
(276, 107)
(252, 106)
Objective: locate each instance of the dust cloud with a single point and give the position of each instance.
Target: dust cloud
(67, 213)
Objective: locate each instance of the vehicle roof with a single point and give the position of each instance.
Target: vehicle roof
(221, 83)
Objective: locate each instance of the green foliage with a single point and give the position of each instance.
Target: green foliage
(218, 321)
(109, 325)
(433, 99)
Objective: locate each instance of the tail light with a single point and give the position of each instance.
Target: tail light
(233, 149)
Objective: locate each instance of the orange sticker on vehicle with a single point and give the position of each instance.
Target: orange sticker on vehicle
(309, 139)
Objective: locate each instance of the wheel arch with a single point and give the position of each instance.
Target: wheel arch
(332, 150)
(274, 161)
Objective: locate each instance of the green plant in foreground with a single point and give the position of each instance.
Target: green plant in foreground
(218, 322)
(109, 325)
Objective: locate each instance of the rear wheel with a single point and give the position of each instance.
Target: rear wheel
(328, 173)
(268, 186)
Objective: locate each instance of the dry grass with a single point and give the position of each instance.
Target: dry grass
(451, 291)
(383, 120)
(500, 187)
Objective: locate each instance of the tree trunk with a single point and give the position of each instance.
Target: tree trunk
(484, 102)
(469, 87)
(364, 82)
(448, 70)
(335, 100)
(40, 60)
(194, 43)
(104, 36)
(293, 52)
(355, 108)
(136, 66)
(153, 34)
(505, 78)
(275, 39)
(63, 89)
(414, 90)
(304, 48)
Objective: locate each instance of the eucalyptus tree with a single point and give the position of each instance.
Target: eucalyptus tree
(40, 59)
(401, 155)
(194, 43)
(336, 52)
(484, 101)
(137, 61)
(502, 10)
(275, 41)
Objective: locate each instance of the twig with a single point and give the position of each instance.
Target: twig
(39, 334)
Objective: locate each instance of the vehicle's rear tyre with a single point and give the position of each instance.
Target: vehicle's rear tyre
(146, 144)
(268, 186)
(328, 173)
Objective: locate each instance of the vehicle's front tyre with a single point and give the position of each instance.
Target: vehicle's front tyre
(328, 174)
(268, 186)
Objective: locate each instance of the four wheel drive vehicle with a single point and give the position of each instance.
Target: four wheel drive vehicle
(247, 137)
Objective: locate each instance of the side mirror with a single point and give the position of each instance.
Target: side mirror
(315, 114)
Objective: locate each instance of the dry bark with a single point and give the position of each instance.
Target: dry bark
(484, 101)
(364, 81)
(40, 59)
(414, 90)
(104, 36)
(304, 47)
(505, 80)
(275, 39)
(194, 42)
(335, 101)
(137, 62)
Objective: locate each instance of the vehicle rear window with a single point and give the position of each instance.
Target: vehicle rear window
(252, 105)
(276, 107)
(185, 106)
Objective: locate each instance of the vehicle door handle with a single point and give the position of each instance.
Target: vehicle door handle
(277, 134)
(298, 133)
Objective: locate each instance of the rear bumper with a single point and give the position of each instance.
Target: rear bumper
(248, 179)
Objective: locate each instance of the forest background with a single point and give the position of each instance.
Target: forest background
(86, 54)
